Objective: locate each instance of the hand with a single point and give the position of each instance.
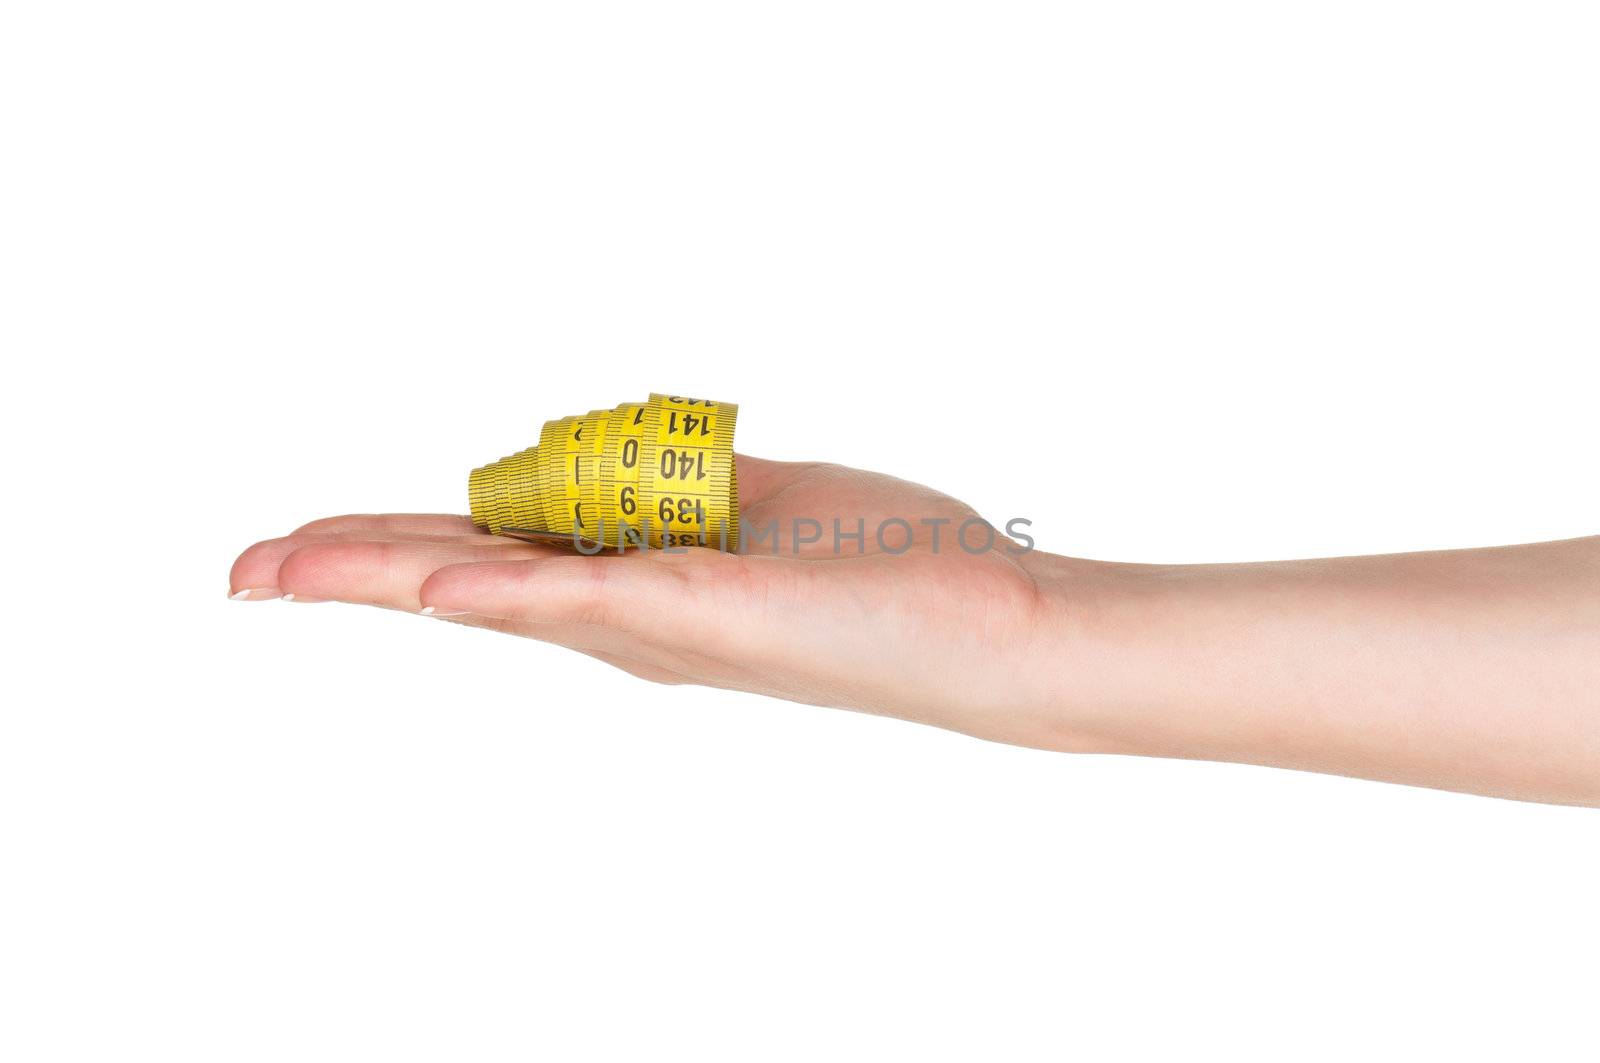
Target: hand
(933, 633)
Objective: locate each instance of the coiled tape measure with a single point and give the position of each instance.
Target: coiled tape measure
(657, 473)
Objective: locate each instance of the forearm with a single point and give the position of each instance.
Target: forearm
(1473, 670)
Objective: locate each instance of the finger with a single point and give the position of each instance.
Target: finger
(655, 595)
(366, 572)
(254, 576)
(255, 572)
(394, 525)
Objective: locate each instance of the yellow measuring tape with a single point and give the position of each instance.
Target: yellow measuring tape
(656, 473)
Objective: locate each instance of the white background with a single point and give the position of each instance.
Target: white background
(1202, 281)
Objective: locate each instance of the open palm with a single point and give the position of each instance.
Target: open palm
(908, 623)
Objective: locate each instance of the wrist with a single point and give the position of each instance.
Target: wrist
(1095, 676)
(1140, 658)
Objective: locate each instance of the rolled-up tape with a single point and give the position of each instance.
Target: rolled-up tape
(657, 473)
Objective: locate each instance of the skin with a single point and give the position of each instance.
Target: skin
(1474, 670)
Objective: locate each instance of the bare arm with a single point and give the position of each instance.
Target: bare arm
(1469, 670)
(1473, 670)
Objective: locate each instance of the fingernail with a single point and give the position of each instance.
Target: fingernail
(303, 599)
(255, 594)
(429, 610)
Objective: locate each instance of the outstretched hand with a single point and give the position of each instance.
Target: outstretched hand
(912, 625)
(1409, 667)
